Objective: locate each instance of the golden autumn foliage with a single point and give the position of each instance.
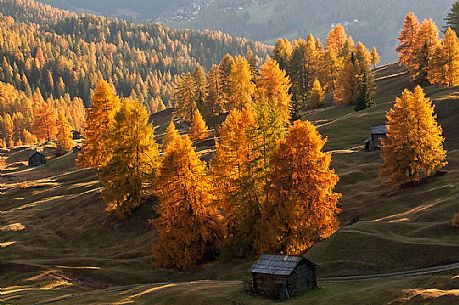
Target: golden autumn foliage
(301, 209)
(8, 125)
(347, 84)
(363, 56)
(29, 138)
(413, 149)
(264, 137)
(317, 95)
(427, 58)
(185, 96)
(330, 70)
(240, 85)
(283, 53)
(198, 129)
(230, 164)
(215, 102)
(375, 58)
(188, 224)
(130, 172)
(96, 150)
(407, 39)
(64, 142)
(336, 40)
(274, 84)
(171, 134)
(444, 69)
(44, 123)
(425, 45)
(356, 65)
(304, 68)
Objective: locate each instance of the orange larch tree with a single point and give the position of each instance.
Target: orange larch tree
(375, 58)
(302, 206)
(241, 87)
(64, 141)
(407, 39)
(130, 173)
(274, 84)
(215, 102)
(283, 53)
(336, 40)
(228, 167)
(198, 129)
(96, 150)
(426, 43)
(189, 226)
(444, 67)
(45, 121)
(413, 149)
(347, 84)
(185, 96)
(330, 70)
(170, 134)
(316, 96)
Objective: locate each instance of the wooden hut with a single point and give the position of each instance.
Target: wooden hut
(281, 276)
(377, 133)
(76, 135)
(37, 158)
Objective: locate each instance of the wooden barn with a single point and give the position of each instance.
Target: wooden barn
(281, 276)
(37, 158)
(377, 133)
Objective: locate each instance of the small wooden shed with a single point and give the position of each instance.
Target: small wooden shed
(377, 133)
(37, 158)
(76, 135)
(283, 276)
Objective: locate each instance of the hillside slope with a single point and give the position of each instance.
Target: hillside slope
(58, 245)
(60, 52)
(378, 22)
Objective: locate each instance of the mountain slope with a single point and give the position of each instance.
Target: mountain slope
(61, 52)
(142, 9)
(59, 245)
(378, 21)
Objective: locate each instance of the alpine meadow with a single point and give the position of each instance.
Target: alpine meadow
(148, 156)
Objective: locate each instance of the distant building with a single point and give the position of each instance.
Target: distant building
(76, 135)
(37, 158)
(281, 276)
(377, 133)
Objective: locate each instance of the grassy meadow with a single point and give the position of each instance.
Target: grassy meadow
(58, 246)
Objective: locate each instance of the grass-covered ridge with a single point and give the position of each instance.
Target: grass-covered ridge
(58, 245)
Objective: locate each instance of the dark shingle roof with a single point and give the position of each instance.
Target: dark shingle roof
(276, 264)
(33, 153)
(378, 129)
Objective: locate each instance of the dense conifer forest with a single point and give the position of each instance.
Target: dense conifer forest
(61, 52)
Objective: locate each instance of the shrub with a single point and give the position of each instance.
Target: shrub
(456, 220)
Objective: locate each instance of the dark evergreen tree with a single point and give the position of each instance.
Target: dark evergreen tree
(452, 19)
(367, 92)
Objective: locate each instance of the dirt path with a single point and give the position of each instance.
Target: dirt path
(424, 271)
